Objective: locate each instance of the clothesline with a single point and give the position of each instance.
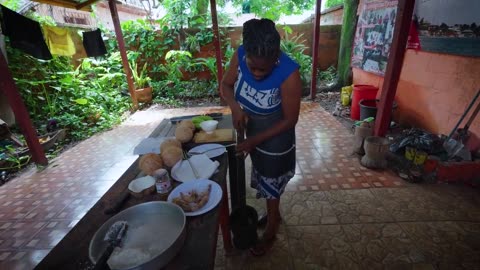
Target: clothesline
(42, 41)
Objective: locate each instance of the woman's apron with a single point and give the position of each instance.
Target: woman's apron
(276, 156)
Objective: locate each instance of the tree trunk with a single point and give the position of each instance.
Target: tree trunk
(346, 42)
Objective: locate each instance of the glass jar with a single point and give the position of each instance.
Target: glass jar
(162, 181)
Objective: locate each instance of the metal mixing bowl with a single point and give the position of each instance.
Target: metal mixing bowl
(166, 216)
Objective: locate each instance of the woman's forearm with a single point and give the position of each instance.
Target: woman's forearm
(229, 97)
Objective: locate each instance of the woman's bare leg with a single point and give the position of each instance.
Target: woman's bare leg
(273, 218)
(273, 221)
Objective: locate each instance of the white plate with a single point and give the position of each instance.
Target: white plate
(205, 167)
(199, 185)
(212, 153)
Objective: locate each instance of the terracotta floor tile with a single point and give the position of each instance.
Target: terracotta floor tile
(19, 234)
(77, 208)
(48, 209)
(50, 234)
(330, 187)
(21, 259)
(296, 180)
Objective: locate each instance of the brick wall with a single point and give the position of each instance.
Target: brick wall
(125, 13)
(332, 16)
(83, 19)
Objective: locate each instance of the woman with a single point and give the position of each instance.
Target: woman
(262, 87)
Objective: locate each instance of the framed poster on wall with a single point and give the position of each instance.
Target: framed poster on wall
(449, 26)
(373, 37)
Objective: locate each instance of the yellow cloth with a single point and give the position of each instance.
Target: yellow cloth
(59, 40)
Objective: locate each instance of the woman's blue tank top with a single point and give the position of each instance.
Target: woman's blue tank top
(261, 97)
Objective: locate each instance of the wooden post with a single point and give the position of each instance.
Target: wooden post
(316, 34)
(123, 51)
(394, 66)
(7, 84)
(218, 49)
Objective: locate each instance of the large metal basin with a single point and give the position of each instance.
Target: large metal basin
(157, 225)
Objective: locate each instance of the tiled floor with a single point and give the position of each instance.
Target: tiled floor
(337, 214)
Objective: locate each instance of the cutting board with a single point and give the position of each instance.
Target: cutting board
(218, 135)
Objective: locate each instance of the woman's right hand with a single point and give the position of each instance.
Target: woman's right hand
(240, 118)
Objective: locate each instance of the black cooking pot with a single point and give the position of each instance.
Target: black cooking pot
(243, 223)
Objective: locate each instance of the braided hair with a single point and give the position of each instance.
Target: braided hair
(261, 38)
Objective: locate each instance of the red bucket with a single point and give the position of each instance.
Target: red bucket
(361, 91)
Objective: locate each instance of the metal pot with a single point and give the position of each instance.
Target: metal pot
(243, 223)
(168, 218)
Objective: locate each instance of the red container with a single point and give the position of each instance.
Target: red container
(361, 91)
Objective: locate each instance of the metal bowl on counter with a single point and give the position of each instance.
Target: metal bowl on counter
(156, 232)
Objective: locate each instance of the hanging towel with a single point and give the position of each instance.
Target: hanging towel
(78, 43)
(25, 34)
(93, 43)
(59, 40)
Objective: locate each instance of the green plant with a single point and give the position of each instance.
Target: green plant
(273, 9)
(192, 43)
(176, 62)
(329, 75)
(12, 159)
(91, 97)
(229, 51)
(140, 77)
(333, 3)
(295, 48)
(210, 63)
(144, 39)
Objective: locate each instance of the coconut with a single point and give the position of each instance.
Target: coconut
(170, 142)
(183, 134)
(187, 123)
(171, 155)
(149, 163)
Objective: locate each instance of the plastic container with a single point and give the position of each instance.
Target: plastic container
(162, 181)
(346, 95)
(361, 91)
(369, 107)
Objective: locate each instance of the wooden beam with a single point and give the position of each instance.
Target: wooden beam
(123, 51)
(7, 85)
(65, 4)
(394, 66)
(87, 3)
(316, 41)
(216, 42)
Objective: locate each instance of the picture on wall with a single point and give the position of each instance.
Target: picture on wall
(449, 26)
(373, 37)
